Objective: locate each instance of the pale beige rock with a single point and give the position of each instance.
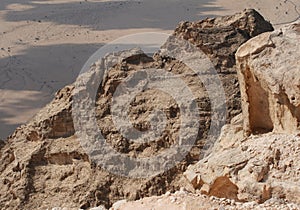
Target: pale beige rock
(269, 75)
(193, 178)
(190, 201)
(254, 169)
(117, 205)
(264, 165)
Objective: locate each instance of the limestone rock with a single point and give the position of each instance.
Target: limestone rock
(229, 34)
(255, 169)
(54, 121)
(98, 208)
(269, 75)
(266, 164)
(43, 164)
(184, 200)
(117, 205)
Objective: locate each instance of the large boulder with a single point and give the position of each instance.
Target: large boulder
(253, 169)
(229, 33)
(269, 76)
(266, 163)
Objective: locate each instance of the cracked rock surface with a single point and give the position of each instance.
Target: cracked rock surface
(257, 156)
(270, 81)
(43, 164)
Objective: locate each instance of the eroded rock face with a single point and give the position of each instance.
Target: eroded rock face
(229, 34)
(269, 74)
(183, 200)
(266, 164)
(253, 169)
(54, 121)
(43, 164)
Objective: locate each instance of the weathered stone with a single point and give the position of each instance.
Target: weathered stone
(229, 33)
(194, 179)
(255, 174)
(43, 163)
(54, 121)
(269, 76)
(98, 208)
(118, 204)
(264, 166)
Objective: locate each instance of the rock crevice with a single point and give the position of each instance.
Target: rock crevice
(269, 78)
(259, 151)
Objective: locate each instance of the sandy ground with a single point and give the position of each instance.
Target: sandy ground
(44, 44)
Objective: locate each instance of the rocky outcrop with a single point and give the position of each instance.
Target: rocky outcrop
(266, 164)
(254, 169)
(229, 33)
(43, 164)
(184, 200)
(54, 121)
(270, 81)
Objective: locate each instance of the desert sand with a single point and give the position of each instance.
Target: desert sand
(44, 44)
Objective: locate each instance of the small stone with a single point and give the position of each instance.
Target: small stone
(205, 189)
(245, 148)
(98, 208)
(118, 204)
(180, 193)
(173, 199)
(238, 203)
